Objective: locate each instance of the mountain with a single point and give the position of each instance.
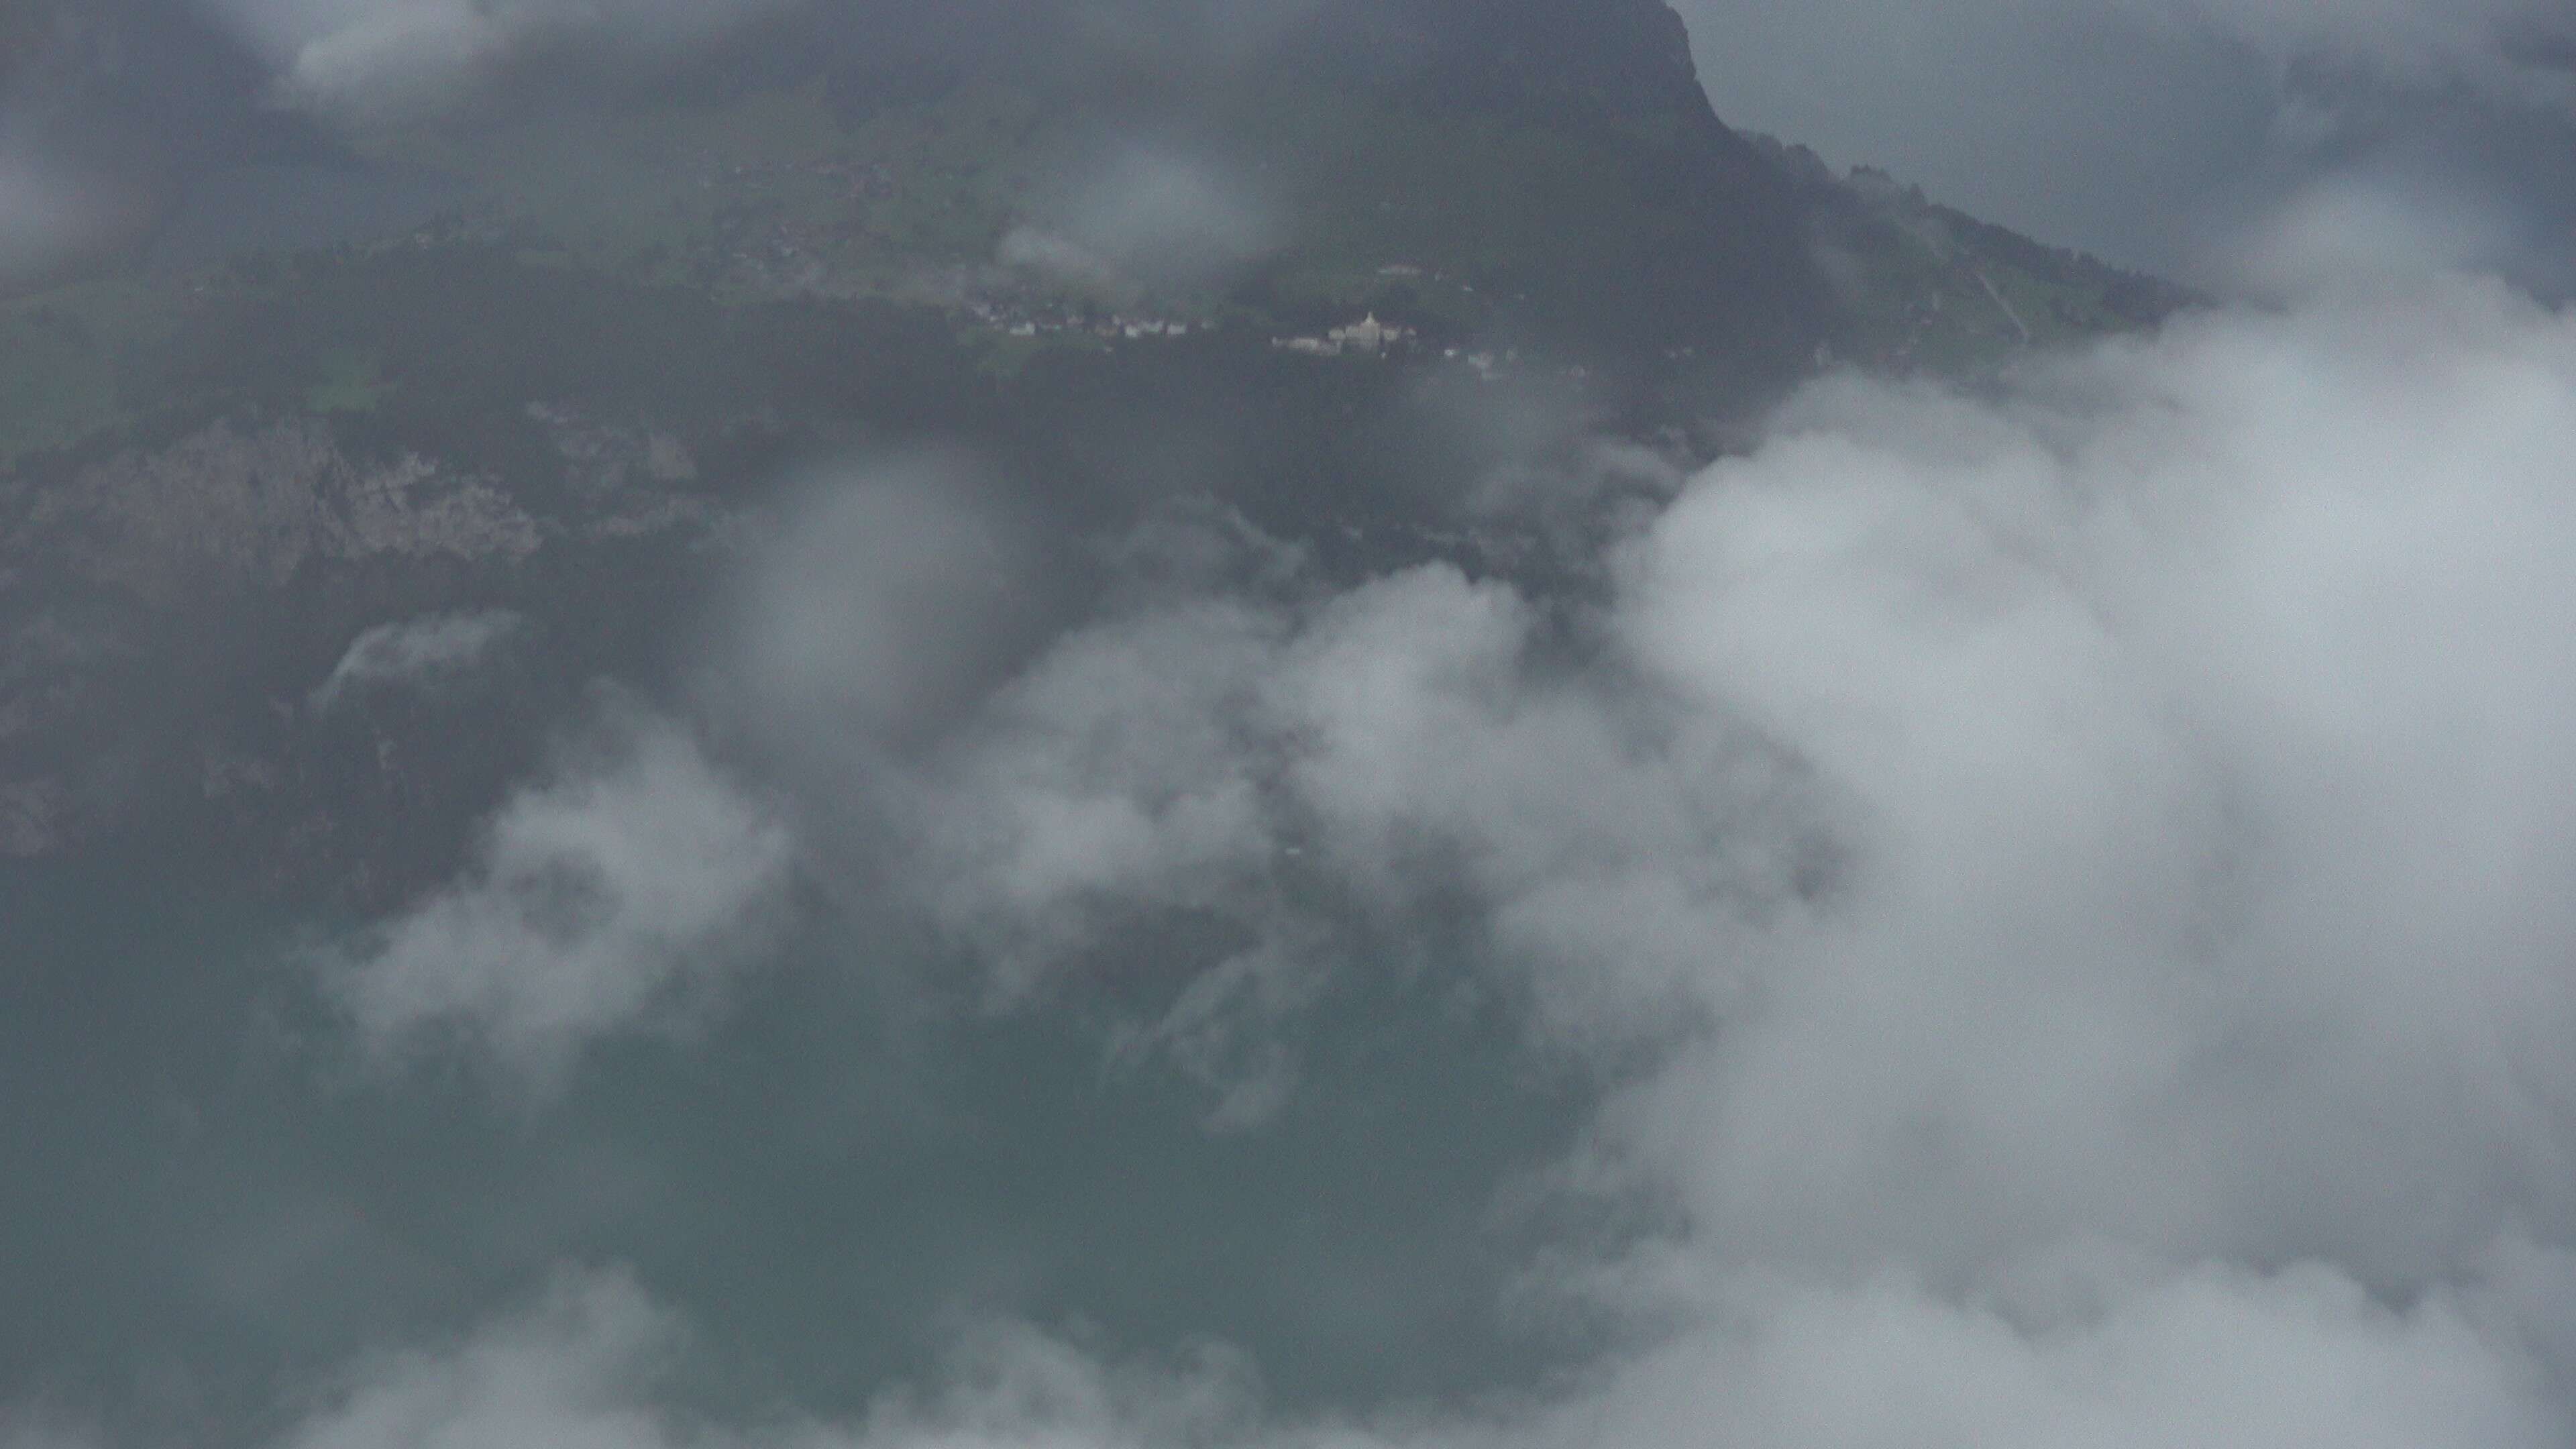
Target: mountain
(539, 355)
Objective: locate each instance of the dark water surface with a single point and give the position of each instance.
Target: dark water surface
(203, 1208)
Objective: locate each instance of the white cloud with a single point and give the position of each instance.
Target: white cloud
(877, 603)
(1121, 771)
(586, 1366)
(2094, 861)
(1293, 767)
(2359, 229)
(2208, 1356)
(378, 60)
(574, 1369)
(619, 895)
(2202, 722)
(2131, 812)
(398, 57)
(1149, 213)
(415, 651)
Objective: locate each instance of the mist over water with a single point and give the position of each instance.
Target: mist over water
(835, 1182)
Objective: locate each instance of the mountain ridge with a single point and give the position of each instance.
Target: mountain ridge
(1339, 278)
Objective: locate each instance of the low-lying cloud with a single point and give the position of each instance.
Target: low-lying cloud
(878, 602)
(619, 896)
(2114, 839)
(372, 61)
(415, 652)
(2066, 891)
(2206, 1357)
(579, 1365)
(1145, 214)
(2198, 721)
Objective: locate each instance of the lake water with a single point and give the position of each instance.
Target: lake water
(201, 1208)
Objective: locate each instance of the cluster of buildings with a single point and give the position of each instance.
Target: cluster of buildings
(1062, 321)
(1368, 336)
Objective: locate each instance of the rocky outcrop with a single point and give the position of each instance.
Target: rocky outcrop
(140, 610)
(233, 510)
(625, 476)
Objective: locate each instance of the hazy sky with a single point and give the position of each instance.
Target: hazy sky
(2155, 131)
